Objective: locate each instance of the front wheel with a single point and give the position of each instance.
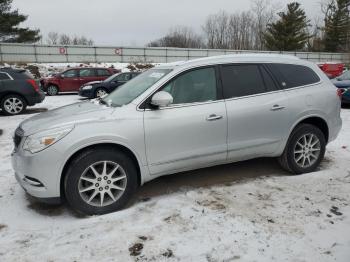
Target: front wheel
(305, 150)
(100, 92)
(100, 181)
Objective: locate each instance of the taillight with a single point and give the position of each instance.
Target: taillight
(340, 92)
(33, 84)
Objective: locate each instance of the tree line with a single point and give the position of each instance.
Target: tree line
(264, 28)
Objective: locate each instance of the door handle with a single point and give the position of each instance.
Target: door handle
(213, 117)
(277, 107)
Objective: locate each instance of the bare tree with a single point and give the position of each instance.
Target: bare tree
(216, 30)
(52, 38)
(65, 39)
(180, 36)
(264, 12)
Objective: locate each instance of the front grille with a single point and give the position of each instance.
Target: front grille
(18, 136)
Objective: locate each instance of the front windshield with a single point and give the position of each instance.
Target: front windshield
(111, 77)
(135, 87)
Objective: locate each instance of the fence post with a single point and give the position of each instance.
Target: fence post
(35, 54)
(166, 55)
(95, 53)
(1, 58)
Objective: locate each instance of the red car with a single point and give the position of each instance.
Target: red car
(72, 79)
(332, 70)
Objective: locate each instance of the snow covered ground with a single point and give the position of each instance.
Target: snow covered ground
(249, 211)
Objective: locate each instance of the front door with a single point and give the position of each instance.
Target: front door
(257, 111)
(192, 132)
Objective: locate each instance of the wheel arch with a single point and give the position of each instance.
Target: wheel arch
(4, 94)
(119, 147)
(317, 121)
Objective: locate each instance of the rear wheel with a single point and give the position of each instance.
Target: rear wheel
(100, 181)
(305, 150)
(52, 90)
(13, 105)
(100, 92)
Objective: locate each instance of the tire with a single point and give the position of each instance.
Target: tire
(100, 92)
(13, 105)
(304, 151)
(52, 90)
(85, 181)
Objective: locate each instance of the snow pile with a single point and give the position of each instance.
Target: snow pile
(249, 211)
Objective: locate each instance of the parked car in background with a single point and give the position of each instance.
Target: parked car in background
(101, 88)
(18, 89)
(343, 82)
(174, 118)
(72, 79)
(332, 70)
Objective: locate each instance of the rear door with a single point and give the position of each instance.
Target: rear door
(102, 74)
(257, 111)
(87, 75)
(69, 81)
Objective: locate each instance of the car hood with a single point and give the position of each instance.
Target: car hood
(92, 83)
(77, 113)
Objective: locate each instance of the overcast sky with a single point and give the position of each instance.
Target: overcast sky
(129, 22)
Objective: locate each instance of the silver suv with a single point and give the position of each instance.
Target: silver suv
(178, 117)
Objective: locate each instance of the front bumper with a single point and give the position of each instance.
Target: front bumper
(38, 173)
(86, 93)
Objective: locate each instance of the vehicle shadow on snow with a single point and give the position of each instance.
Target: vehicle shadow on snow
(224, 175)
(227, 174)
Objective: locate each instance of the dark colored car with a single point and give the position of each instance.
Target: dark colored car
(18, 89)
(72, 79)
(101, 88)
(343, 82)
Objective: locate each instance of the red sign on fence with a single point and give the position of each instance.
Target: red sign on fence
(118, 51)
(62, 50)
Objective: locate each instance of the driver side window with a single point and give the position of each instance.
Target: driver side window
(193, 86)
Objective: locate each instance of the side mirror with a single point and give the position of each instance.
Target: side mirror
(162, 99)
(61, 76)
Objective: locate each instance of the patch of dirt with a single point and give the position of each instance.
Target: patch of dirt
(335, 210)
(168, 253)
(2, 226)
(212, 204)
(136, 249)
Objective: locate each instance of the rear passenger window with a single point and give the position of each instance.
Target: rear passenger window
(294, 75)
(103, 72)
(242, 80)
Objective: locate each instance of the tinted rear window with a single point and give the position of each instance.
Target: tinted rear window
(294, 75)
(242, 80)
(4, 76)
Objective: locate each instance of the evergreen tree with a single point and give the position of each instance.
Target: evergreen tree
(290, 32)
(9, 25)
(337, 26)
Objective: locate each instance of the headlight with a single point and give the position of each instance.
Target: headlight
(39, 141)
(87, 87)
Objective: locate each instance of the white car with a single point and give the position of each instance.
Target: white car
(174, 118)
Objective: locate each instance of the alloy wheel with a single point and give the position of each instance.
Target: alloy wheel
(13, 105)
(307, 150)
(100, 93)
(102, 183)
